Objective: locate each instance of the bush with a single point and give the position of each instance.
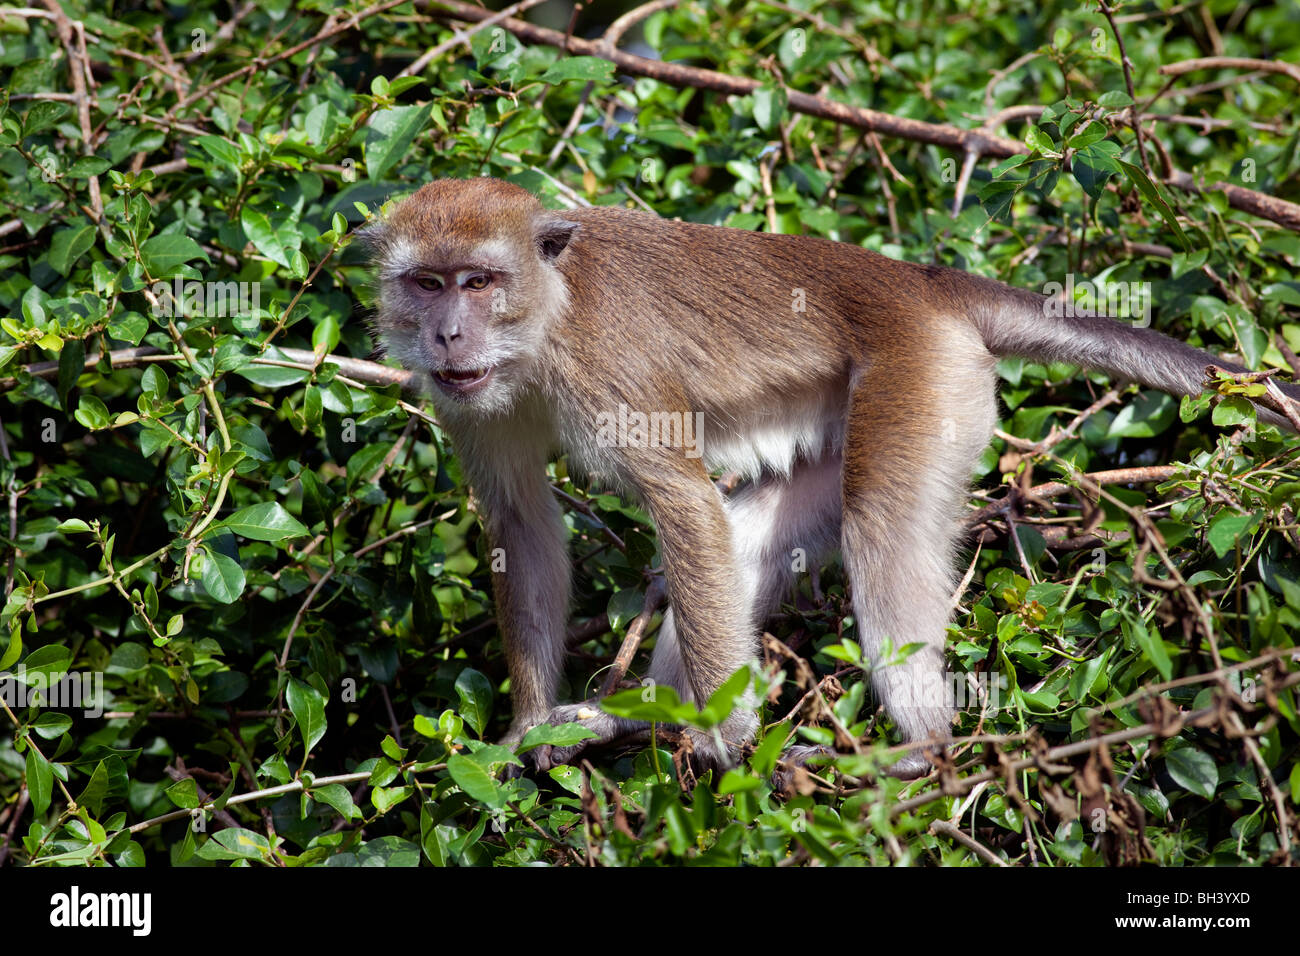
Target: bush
(263, 553)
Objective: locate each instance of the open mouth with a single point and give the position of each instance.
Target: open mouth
(461, 382)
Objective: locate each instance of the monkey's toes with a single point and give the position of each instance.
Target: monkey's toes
(911, 767)
(793, 762)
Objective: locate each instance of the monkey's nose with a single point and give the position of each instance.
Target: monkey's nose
(447, 334)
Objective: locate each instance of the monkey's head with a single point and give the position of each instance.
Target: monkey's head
(468, 285)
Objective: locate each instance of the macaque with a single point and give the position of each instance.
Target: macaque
(854, 393)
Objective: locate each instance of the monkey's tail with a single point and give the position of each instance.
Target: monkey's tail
(1029, 325)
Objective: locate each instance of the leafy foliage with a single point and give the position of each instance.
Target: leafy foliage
(273, 569)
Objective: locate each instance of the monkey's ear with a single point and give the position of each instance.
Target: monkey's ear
(372, 235)
(553, 235)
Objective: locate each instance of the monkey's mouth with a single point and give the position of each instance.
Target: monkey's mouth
(462, 382)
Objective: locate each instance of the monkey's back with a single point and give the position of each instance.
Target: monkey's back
(679, 297)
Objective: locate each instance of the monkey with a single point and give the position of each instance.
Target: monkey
(854, 392)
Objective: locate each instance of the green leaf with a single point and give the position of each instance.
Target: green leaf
(264, 237)
(474, 779)
(558, 735)
(235, 843)
(663, 705)
(336, 795)
(1037, 139)
(1193, 770)
(388, 851)
(475, 693)
(769, 749)
(1146, 416)
(1085, 676)
(96, 789)
(45, 665)
(390, 135)
(308, 707)
(1148, 638)
(40, 780)
(578, 68)
(723, 700)
(1038, 702)
(184, 793)
(433, 839)
(325, 336)
(273, 376)
(265, 521)
(1092, 133)
(69, 245)
(72, 362)
(769, 107)
(1093, 165)
(164, 255)
(385, 798)
(222, 577)
(14, 648)
(154, 382)
(1154, 196)
(50, 725)
(83, 167)
(1233, 410)
(92, 412)
(384, 773)
(365, 461)
(624, 605)
(321, 123)
(129, 327)
(222, 151)
(1227, 530)
(42, 116)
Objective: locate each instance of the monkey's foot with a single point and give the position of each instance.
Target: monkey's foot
(792, 766)
(914, 765)
(707, 751)
(588, 715)
(791, 771)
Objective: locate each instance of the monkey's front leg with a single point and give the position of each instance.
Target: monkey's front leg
(530, 575)
(708, 634)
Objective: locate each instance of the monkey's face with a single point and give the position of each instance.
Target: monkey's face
(468, 287)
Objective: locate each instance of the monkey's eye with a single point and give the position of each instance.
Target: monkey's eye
(427, 282)
(478, 282)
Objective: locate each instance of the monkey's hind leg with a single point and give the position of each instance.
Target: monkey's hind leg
(911, 445)
(777, 524)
